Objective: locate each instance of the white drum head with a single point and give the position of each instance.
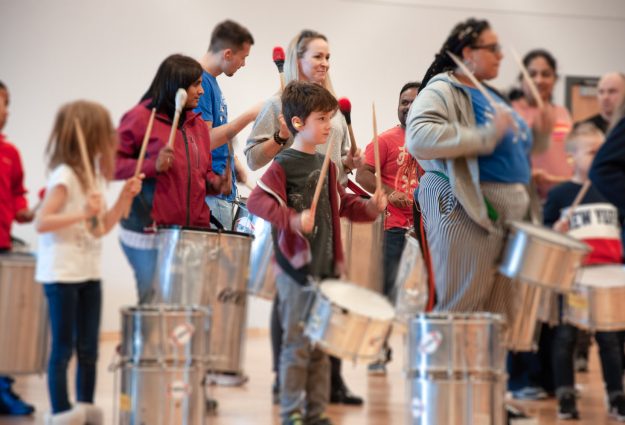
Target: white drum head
(548, 235)
(358, 300)
(601, 276)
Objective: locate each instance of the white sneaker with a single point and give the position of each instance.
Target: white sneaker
(93, 414)
(75, 416)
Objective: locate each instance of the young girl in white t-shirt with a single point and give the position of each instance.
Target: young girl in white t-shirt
(70, 221)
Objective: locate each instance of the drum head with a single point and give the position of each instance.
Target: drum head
(602, 276)
(548, 235)
(358, 300)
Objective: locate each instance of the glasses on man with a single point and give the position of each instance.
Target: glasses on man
(493, 47)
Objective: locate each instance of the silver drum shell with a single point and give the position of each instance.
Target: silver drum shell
(363, 246)
(262, 281)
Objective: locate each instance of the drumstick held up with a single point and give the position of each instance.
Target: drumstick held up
(528, 79)
(376, 149)
(466, 71)
(181, 99)
(322, 176)
(345, 106)
(578, 199)
(278, 59)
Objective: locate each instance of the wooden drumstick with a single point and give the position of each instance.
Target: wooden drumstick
(322, 176)
(82, 147)
(578, 199)
(181, 99)
(466, 71)
(345, 106)
(376, 149)
(144, 146)
(528, 79)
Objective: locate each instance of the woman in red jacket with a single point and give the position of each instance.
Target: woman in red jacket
(177, 178)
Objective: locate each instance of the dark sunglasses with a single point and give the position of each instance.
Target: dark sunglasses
(493, 48)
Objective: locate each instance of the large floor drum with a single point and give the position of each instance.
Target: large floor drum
(161, 395)
(208, 268)
(23, 317)
(467, 400)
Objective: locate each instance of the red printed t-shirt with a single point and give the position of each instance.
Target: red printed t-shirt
(399, 171)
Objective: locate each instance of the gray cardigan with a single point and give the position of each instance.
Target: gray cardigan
(442, 135)
(267, 123)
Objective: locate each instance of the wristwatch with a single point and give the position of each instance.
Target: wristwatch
(279, 140)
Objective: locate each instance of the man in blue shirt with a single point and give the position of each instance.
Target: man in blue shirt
(230, 45)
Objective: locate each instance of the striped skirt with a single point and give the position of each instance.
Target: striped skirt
(465, 256)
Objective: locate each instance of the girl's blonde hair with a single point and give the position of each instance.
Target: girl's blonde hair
(100, 137)
(297, 48)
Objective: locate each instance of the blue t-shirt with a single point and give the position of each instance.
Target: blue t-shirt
(213, 108)
(510, 161)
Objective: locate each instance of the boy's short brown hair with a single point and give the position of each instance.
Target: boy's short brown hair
(300, 99)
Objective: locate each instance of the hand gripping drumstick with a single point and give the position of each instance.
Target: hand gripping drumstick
(322, 176)
(181, 99)
(376, 149)
(528, 79)
(82, 147)
(346, 109)
(144, 146)
(278, 59)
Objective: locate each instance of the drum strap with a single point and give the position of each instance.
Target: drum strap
(300, 275)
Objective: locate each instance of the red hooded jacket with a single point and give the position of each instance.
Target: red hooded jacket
(12, 190)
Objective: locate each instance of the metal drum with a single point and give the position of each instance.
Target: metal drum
(411, 284)
(262, 281)
(162, 395)
(541, 256)
(24, 317)
(438, 399)
(363, 248)
(597, 301)
(349, 321)
(164, 334)
(456, 343)
(208, 268)
(523, 331)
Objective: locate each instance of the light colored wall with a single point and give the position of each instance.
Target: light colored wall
(108, 51)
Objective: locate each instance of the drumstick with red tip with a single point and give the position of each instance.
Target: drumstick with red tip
(278, 59)
(346, 109)
(376, 149)
(181, 100)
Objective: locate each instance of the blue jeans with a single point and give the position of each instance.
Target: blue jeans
(394, 241)
(304, 369)
(221, 210)
(143, 263)
(75, 323)
(610, 353)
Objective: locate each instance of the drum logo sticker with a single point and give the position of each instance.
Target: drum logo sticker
(417, 407)
(430, 342)
(178, 390)
(181, 335)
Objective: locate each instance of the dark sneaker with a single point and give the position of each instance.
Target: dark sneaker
(294, 419)
(617, 407)
(530, 393)
(319, 420)
(344, 396)
(567, 407)
(10, 402)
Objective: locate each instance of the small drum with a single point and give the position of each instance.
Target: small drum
(363, 248)
(541, 256)
(349, 321)
(164, 334)
(202, 267)
(456, 343)
(24, 317)
(597, 301)
(411, 284)
(262, 281)
(167, 395)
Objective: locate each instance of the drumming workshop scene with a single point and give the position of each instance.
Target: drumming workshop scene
(194, 233)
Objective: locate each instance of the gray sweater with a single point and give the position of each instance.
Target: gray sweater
(267, 123)
(442, 135)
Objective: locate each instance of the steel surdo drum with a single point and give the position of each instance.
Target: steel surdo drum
(24, 317)
(540, 256)
(349, 321)
(597, 301)
(210, 268)
(363, 246)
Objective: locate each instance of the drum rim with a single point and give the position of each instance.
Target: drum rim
(522, 226)
(201, 230)
(378, 296)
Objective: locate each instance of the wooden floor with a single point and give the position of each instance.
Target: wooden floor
(251, 404)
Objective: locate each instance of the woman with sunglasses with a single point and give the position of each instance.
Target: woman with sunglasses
(476, 157)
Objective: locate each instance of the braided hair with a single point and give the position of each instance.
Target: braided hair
(464, 34)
